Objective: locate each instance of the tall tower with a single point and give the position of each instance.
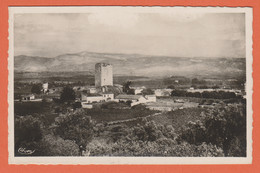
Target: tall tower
(103, 74)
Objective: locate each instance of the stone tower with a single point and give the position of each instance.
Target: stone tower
(103, 74)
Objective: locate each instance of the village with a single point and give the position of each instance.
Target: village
(115, 113)
(105, 91)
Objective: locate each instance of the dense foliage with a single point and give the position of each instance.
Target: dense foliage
(149, 139)
(205, 94)
(126, 86)
(27, 132)
(57, 146)
(147, 91)
(225, 128)
(67, 94)
(122, 131)
(74, 126)
(36, 89)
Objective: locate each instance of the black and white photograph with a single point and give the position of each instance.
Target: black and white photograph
(130, 85)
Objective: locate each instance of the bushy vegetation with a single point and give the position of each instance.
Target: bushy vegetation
(217, 132)
(28, 132)
(225, 128)
(205, 94)
(36, 89)
(150, 139)
(74, 126)
(122, 112)
(187, 132)
(57, 146)
(67, 95)
(67, 136)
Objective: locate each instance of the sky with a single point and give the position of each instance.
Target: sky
(165, 34)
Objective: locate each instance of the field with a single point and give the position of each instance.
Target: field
(108, 115)
(169, 103)
(178, 118)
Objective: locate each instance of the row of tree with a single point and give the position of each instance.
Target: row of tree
(205, 94)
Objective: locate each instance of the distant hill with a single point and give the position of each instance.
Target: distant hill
(132, 64)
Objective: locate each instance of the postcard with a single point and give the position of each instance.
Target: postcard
(130, 85)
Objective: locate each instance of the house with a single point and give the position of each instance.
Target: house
(108, 96)
(45, 87)
(28, 97)
(86, 105)
(55, 89)
(134, 99)
(163, 92)
(92, 98)
(138, 91)
(92, 90)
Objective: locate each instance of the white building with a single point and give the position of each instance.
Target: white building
(92, 98)
(135, 99)
(103, 74)
(45, 87)
(28, 97)
(92, 90)
(108, 96)
(163, 92)
(86, 105)
(137, 90)
(96, 98)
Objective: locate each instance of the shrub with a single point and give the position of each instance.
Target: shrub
(67, 94)
(224, 127)
(36, 89)
(76, 126)
(56, 146)
(28, 132)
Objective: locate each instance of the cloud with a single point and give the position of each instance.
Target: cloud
(169, 33)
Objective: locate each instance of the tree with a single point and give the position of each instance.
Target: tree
(76, 126)
(224, 127)
(227, 128)
(131, 92)
(67, 94)
(126, 86)
(148, 91)
(179, 93)
(171, 87)
(36, 89)
(56, 146)
(28, 132)
(195, 81)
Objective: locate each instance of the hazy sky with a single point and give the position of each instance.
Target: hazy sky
(180, 34)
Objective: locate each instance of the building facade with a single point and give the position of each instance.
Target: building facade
(103, 74)
(45, 87)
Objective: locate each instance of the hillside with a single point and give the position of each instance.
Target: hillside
(133, 64)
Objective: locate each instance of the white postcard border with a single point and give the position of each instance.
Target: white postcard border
(131, 160)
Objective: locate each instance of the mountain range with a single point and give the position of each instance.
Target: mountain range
(132, 64)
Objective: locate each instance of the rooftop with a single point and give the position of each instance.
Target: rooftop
(130, 97)
(91, 94)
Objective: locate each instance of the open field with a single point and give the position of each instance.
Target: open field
(168, 103)
(179, 118)
(108, 115)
